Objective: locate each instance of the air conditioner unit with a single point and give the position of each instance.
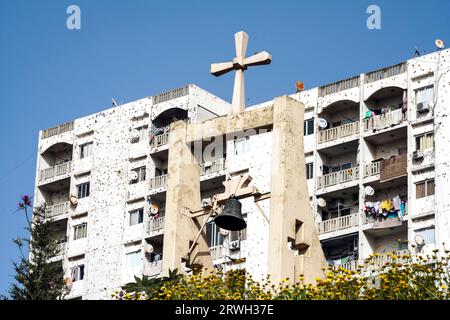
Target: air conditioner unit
(418, 154)
(423, 107)
(235, 245)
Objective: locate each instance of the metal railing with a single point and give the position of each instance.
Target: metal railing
(172, 94)
(152, 269)
(212, 166)
(372, 169)
(159, 181)
(65, 127)
(160, 140)
(339, 223)
(56, 210)
(217, 252)
(57, 170)
(155, 224)
(384, 120)
(335, 178)
(338, 132)
(386, 72)
(376, 261)
(339, 86)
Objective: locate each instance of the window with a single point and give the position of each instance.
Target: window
(136, 217)
(213, 236)
(80, 231)
(424, 95)
(139, 134)
(424, 188)
(336, 168)
(140, 175)
(308, 127)
(160, 172)
(309, 171)
(241, 145)
(134, 259)
(86, 150)
(428, 234)
(425, 141)
(77, 273)
(83, 190)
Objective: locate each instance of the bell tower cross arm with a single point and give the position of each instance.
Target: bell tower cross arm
(240, 63)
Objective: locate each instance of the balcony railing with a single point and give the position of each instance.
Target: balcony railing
(336, 224)
(56, 210)
(65, 127)
(159, 181)
(386, 72)
(376, 261)
(155, 224)
(152, 269)
(172, 94)
(384, 120)
(160, 140)
(339, 86)
(212, 166)
(335, 178)
(379, 260)
(338, 132)
(57, 170)
(372, 169)
(217, 252)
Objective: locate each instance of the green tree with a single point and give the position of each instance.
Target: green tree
(37, 277)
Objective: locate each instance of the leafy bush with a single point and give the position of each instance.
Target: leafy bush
(405, 278)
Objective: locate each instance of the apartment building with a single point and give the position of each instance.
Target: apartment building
(376, 161)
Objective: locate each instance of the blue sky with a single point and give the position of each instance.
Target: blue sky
(127, 50)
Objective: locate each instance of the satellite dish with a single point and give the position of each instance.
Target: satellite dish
(419, 240)
(223, 232)
(135, 134)
(133, 175)
(300, 86)
(148, 248)
(207, 164)
(73, 200)
(369, 191)
(323, 123)
(321, 202)
(440, 44)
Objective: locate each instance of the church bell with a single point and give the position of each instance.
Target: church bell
(231, 216)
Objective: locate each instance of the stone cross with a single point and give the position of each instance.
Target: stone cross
(240, 64)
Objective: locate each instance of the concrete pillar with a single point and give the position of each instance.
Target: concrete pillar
(294, 246)
(183, 191)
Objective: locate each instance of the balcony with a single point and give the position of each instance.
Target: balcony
(383, 121)
(158, 182)
(386, 72)
(160, 140)
(376, 261)
(212, 166)
(55, 171)
(152, 269)
(56, 210)
(372, 169)
(217, 252)
(155, 225)
(336, 178)
(339, 223)
(338, 132)
(65, 127)
(339, 86)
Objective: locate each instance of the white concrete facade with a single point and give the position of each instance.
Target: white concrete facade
(343, 159)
